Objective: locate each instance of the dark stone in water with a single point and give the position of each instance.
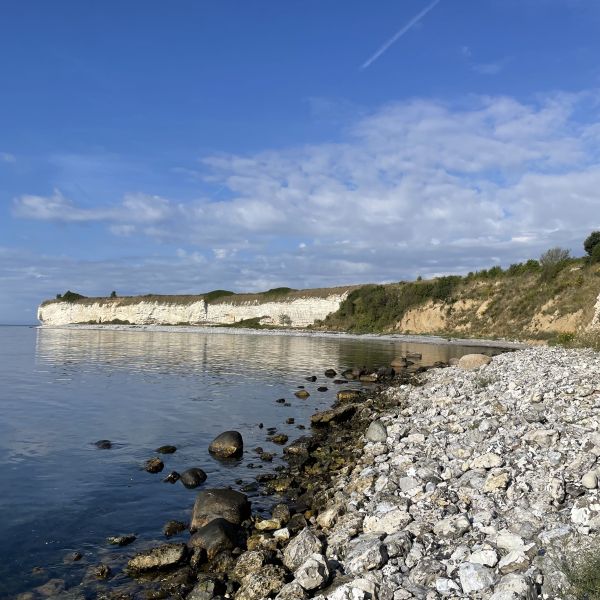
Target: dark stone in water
(260, 425)
(287, 404)
(172, 528)
(301, 394)
(121, 540)
(331, 373)
(72, 557)
(154, 465)
(172, 477)
(103, 444)
(340, 381)
(271, 429)
(322, 388)
(280, 400)
(166, 449)
(193, 477)
(102, 571)
(250, 487)
(312, 378)
(300, 426)
(216, 536)
(219, 503)
(228, 444)
(266, 456)
(290, 420)
(280, 439)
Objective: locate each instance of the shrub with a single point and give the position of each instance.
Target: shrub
(583, 575)
(552, 262)
(215, 294)
(113, 294)
(591, 242)
(595, 255)
(70, 296)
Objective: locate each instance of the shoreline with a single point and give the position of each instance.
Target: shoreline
(407, 338)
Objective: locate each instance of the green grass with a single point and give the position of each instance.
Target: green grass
(583, 575)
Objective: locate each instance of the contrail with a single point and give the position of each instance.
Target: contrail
(399, 34)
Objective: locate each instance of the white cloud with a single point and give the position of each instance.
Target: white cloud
(417, 187)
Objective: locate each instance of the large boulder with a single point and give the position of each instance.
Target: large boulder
(161, 557)
(219, 504)
(216, 536)
(470, 362)
(301, 548)
(334, 415)
(228, 444)
(263, 584)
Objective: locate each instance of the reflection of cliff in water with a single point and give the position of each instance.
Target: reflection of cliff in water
(225, 353)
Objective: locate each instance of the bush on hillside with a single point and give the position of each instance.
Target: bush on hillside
(553, 261)
(70, 296)
(215, 294)
(591, 242)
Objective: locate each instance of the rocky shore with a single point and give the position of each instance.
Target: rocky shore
(479, 480)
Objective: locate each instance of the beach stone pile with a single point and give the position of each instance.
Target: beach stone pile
(482, 482)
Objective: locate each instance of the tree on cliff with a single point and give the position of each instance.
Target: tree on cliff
(592, 246)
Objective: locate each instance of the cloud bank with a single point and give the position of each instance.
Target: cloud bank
(418, 187)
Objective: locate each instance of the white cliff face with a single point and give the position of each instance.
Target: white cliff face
(297, 312)
(595, 323)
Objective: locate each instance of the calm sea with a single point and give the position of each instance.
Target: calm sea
(61, 390)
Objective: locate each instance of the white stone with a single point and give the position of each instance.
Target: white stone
(487, 461)
(475, 578)
(452, 527)
(313, 573)
(488, 558)
(590, 480)
(389, 522)
(516, 560)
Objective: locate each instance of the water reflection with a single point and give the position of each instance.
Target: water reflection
(65, 389)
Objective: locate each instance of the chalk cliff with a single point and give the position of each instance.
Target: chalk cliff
(295, 310)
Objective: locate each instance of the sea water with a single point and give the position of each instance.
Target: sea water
(61, 390)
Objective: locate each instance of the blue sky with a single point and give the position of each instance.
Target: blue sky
(182, 147)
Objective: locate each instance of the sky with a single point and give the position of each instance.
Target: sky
(181, 147)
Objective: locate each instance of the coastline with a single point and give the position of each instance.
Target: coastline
(418, 339)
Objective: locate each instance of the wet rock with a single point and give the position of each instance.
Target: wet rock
(377, 432)
(161, 557)
(280, 439)
(216, 536)
(348, 395)
(121, 540)
(280, 401)
(51, 588)
(290, 421)
(281, 512)
(207, 588)
(331, 373)
(322, 388)
(301, 394)
(301, 548)
(72, 557)
(172, 477)
(172, 528)
(154, 465)
(313, 573)
(101, 571)
(334, 415)
(312, 378)
(219, 503)
(249, 562)
(103, 444)
(471, 362)
(166, 449)
(269, 580)
(192, 478)
(228, 444)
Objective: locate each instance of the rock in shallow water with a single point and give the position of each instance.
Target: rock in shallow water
(228, 444)
(470, 362)
(219, 503)
(166, 449)
(193, 477)
(216, 536)
(161, 557)
(154, 465)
